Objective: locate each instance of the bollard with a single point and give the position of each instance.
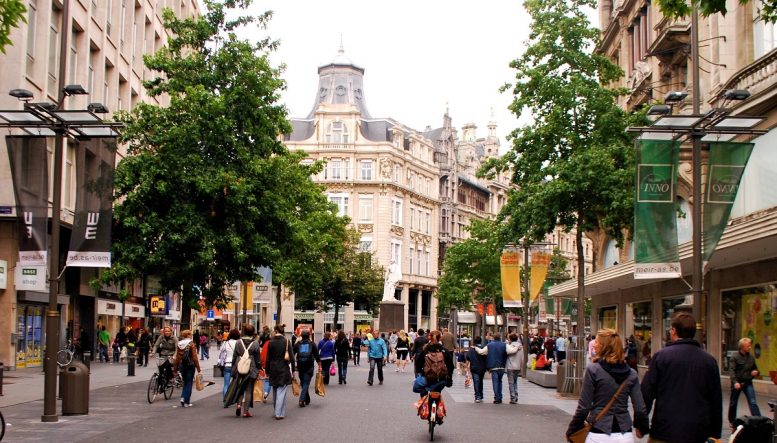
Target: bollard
(87, 360)
(131, 365)
(1, 379)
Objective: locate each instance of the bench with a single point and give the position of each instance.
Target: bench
(546, 379)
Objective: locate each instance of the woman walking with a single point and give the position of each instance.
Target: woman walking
(326, 351)
(186, 362)
(607, 385)
(279, 355)
(144, 346)
(229, 347)
(241, 387)
(403, 347)
(356, 347)
(343, 354)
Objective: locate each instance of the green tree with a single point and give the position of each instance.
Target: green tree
(574, 165)
(767, 9)
(207, 191)
(11, 12)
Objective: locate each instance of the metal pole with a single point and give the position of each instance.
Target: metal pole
(525, 363)
(696, 280)
(244, 301)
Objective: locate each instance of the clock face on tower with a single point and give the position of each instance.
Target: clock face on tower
(340, 90)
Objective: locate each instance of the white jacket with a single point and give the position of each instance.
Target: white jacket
(514, 356)
(229, 345)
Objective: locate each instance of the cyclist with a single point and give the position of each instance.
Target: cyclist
(421, 367)
(166, 347)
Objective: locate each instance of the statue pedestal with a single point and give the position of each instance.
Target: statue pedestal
(392, 316)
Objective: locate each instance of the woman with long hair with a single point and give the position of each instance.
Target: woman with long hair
(343, 354)
(278, 369)
(607, 378)
(435, 345)
(229, 347)
(326, 351)
(403, 347)
(241, 387)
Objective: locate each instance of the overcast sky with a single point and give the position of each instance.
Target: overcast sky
(419, 56)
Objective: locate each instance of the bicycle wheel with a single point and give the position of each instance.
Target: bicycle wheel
(168, 389)
(64, 357)
(2, 426)
(431, 430)
(153, 388)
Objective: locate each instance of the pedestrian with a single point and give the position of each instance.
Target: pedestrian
(326, 350)
(166, 346)
(103, 341)
(186, 362)
(684, 383)
(742, 370)
(307, 355)
(241, 386)
(343, 354)
(437, 378)
(412, 335)
(278, 369)
(392, 341)
(121, 340)
(591, 350)
(356, 347)
(418, 345)
(496, 360)
(448, 340)
(403, 348)
(608, 383)
(477, 367)
(204, 345)
(144, 346)
(264, 340)
(561, 347)
(550, 348)
(228, 347)
(513, 365)
(196, 339)
(377, 353)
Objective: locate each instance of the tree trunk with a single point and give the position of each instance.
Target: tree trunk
(337, 312)
(278, 305)
(580, 345)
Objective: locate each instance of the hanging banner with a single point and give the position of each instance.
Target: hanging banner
(655, 212)
(90, 243)
(30, 173)
(539, 270)
(727, 162)
(510, 263)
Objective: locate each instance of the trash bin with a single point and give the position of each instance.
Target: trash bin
(560, 375)
(75, 389)
(218, 371)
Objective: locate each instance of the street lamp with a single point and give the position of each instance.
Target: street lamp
(47, 119)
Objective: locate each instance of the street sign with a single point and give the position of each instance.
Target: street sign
(211, 314)
(275, 317)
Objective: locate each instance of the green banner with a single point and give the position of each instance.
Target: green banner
(727, 163)
(655, 212)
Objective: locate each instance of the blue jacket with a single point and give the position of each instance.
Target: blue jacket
(376, 348)
(326, 349)
(497, 355)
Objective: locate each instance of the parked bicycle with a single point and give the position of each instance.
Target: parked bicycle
(159, 383)
(66, 356)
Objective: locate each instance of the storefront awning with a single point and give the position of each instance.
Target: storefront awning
(466, 317)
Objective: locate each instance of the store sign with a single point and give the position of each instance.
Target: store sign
(134, 310)
(262, 293)
(3, 274)
(158, 305)
(30, 278)
(108, 307)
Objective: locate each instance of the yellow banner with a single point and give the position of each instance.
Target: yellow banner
(539, 270)
(511, 279)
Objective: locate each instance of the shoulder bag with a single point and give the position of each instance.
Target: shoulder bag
(581, 435)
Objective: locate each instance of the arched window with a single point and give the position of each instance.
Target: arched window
(337, 132)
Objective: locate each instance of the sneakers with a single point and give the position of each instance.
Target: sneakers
(247, 414)
(188, 405)
(183, 403)
(369, 383)
(477, 400)
(513, 402)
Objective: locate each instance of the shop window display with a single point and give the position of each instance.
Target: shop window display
(749, 312)
(668, 308)
(639, 329)
(608, 317)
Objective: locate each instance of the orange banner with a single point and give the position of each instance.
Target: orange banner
(511, 279)
(539, 270)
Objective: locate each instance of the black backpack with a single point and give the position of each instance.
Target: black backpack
(304, 352)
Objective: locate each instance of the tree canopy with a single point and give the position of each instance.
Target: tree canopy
(11, 12)
(767, 9)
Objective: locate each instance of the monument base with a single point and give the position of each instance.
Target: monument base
(392, 316)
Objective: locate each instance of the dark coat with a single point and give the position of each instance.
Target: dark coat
(497, 355)
(277, 367)
(314, 356)
(477, 362)
(600, 382)
(255, 351)
(684, 382)
(741, 368)
(342, 350)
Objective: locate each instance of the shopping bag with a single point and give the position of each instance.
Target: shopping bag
(198, 382)
(332, 370)
(258, 390)
(295, 387)
(320, 389)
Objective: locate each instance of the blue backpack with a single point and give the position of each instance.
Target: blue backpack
(304, 353)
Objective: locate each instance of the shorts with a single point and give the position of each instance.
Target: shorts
(401, 354)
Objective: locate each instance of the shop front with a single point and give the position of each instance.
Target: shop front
(362, 321)
(109, 313)
(29, 338)
(134, 315)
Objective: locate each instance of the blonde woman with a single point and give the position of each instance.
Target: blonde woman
(602, 382)
(403, 347)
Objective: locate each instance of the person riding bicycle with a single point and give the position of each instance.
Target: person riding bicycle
(166, 347)
(437, 378)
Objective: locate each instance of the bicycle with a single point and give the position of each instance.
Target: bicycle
(433, 399)
(65, 356)
(158, 384)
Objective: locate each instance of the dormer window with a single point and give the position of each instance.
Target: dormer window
(337, 132)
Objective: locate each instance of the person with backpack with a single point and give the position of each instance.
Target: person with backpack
(307, 354)
(326, 349)
(226, 354)
(246, 361)
(435, 363)
(377, 353)
(186, 362)
(343, 354)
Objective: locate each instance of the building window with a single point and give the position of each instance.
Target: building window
(32, 14)
(53, 64)
(412, 211)
(337, 132)
(639, 326)
(396, 212)
(365, 244)
(366, 169)
(428, 221)
(365, 208)
(748, 312)
(341, 200)
(765, 37)
(420, 259)
(397, 173)
(412, 255)
(396, 248)
(428, 261)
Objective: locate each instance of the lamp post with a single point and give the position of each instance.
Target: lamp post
(47, 119)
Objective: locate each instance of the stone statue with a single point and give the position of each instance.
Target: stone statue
(393, 276)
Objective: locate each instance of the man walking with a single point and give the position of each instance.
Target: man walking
(561, 348)
(307, 353)
(448, 340)
(103, 341)
(377, 353)
(684, 382)
(742, 371)
(477, 367)
(496, 359)
(418, 344)
(513, 366)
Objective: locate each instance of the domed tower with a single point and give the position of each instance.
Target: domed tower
(341, 82)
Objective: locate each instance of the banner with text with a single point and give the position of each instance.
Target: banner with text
(28, 157)
(655, 211)
(727, 162)
(511, 279)
(90, 243)
(539, 270)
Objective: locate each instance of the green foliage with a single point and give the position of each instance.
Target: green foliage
(11, 12)
(557, 269)
(767, 9)
(208, 192)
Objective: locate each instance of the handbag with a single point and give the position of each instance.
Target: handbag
(295, 387)
(319, 387)
(332, 369)
(581, 434)
(198, 382)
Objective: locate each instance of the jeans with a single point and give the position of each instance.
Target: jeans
(103, 350)
(379, 363)
(512, 382)
(279, 400)
(496, 381)
(187, 372)
(204, 352)
(477, 384)
(143, 356)
(305, 376)
(342, 369)
(325, 365)
(747, 388)
(227, 377)
(356, 355)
